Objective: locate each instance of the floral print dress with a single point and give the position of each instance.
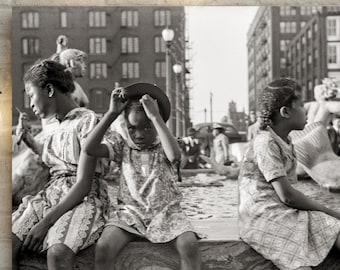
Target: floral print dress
(81, 226)
(148, 197)
(289, 237)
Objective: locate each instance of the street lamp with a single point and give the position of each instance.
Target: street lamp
(177, 68)
(168, 35)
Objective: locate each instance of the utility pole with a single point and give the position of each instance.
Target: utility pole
(205, 115)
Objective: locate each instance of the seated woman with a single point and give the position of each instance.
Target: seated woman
(42, 223)
(29, 174)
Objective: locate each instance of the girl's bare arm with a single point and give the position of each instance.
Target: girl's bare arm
(169, 143)
(295, 199)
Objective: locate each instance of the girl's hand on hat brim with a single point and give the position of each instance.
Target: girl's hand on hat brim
(117, 101)
(150, 106)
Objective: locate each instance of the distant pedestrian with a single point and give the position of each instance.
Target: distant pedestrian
(191, 149)
(221, 145)
(254, 128)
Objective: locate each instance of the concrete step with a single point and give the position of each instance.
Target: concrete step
(220, 249)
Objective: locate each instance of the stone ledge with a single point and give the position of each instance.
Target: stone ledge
(222, 249)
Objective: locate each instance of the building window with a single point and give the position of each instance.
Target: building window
(30, 20)
(302, 24)
(97, 45)
(292, 27)
(315, 54)
(332, 56)
(283, 62)
(63, 19)
(287, 11)
(160, 69)
(309, 34)
(333, 28)
(98, 71)
(162, 17)
(297, 46)
(98, 97)
(130, 45)
(129, 18)
(284, 44)
(30, 46)
(288, 27)
(97, 19)
(159, 45)
(308, 10)
(130, 70)
(310, 85)
(309, 58)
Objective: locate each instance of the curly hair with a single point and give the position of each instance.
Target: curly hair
(278, 93)
(46, 71)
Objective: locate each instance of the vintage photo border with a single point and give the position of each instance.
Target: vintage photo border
(6, 83)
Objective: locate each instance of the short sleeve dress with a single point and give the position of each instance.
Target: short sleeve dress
(289, 237)
(81, 226)
(148, 197)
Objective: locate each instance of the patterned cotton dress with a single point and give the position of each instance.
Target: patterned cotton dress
(148, 198)
(289, 237)
(80, 227)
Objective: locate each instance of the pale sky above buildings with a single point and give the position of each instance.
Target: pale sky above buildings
(218, 37)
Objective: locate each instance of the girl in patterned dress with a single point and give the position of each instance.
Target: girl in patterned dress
(148, 199)
(278, 221)
(47, 221)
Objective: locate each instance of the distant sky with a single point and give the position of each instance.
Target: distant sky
(218, 37)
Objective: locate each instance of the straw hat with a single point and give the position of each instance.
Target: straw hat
(137, 90)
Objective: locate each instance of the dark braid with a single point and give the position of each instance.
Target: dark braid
(280, 92)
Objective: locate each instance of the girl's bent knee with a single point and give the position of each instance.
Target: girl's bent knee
(187, 244)
(59, 252)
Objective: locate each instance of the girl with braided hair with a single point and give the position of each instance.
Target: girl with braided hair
(278, 221)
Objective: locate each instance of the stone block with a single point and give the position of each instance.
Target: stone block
(220, 250)
(5, 50)
(5, 21)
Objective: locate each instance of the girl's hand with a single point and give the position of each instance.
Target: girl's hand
(117, 101)
(23, 126)
(150, 106)
(35, 238)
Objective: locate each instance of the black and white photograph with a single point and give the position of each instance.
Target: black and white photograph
(175, 137)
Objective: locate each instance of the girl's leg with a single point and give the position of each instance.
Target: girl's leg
(16, 246)
(187, 246)
(60, 257)
(110, 243)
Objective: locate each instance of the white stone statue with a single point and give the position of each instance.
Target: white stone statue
(314, 151)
